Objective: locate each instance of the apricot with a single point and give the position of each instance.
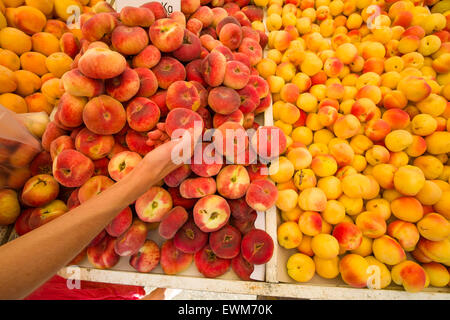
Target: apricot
(300, 267)
(409, 274)
(387, 250)
(289, 235)
(409, 180)
(434, 227)
(353, 269)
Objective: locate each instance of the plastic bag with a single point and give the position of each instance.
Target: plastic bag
(18, 147)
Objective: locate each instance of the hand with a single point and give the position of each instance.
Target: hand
(160, 161)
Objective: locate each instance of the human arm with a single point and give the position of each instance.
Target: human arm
(30, 260)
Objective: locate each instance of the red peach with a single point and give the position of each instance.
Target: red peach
(197, 187)
(76, 84)
(147, 257)
(172, 222)
(233, 181)
(129, 242)
(93, 145)
(147, 58)
(120, 223)
(72, 169)
(190, 49)
(137, 17)
(166, 35)
(167, 71)
(153, 205)
(104, 115)
(101, 63)
(209, 264)
(40, 190)
(123, 87)
(93, 187)
(103, 255)
(177, 176)
(261, 195)
(148, 84)
(174, 260)
(122, 164)
(142, 114)
(257, 247)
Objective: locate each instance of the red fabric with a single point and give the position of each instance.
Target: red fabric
(56, 289)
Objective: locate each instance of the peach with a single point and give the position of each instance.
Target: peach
(231, 140)
(121, 222)
(353, 269)
(122, 164)
(172, 222)
(213, 68)
(148, 83)
(252, 49)
(47, 213)
(59, 144)
(167, 71)
(101, 63)
(261, 195)
(233, 181)
(104, 115)
(269, 142)
(9, 205)
(173, 260)
(209, 165)
(190, 49)
(181, 118)
(157, 9)
(98, 26)
(41, 164)
(153, 205)
(129, 243)
(242, 267)
(123, 87)
(93, 187)
(166, 35)
(409, 274)
(69, 44)
(76, 84)
(21, 226)
(209, 264)
(257, 247)
(147, 257)
(211, 213)
(39, 190)
(102, 255)
(235, 116)
(129, 40)
(147, 58)
(237, 75)
(182, 94)
(189, 238)
(197, 187)
(70, 109)
(142, 114)
(93, 145)
(72, 169)
(430, 194)
(226, 242)
(434, 227)
(177, 176)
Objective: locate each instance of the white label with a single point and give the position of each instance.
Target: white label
(169, 5)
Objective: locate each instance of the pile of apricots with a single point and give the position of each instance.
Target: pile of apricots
(361, 89)
(36, 48)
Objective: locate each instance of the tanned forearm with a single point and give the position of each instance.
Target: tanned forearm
(29, 261)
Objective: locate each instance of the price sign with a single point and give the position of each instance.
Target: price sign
(169, 5)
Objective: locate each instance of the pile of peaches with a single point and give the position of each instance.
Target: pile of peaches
(138, 77)
(361, 89)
